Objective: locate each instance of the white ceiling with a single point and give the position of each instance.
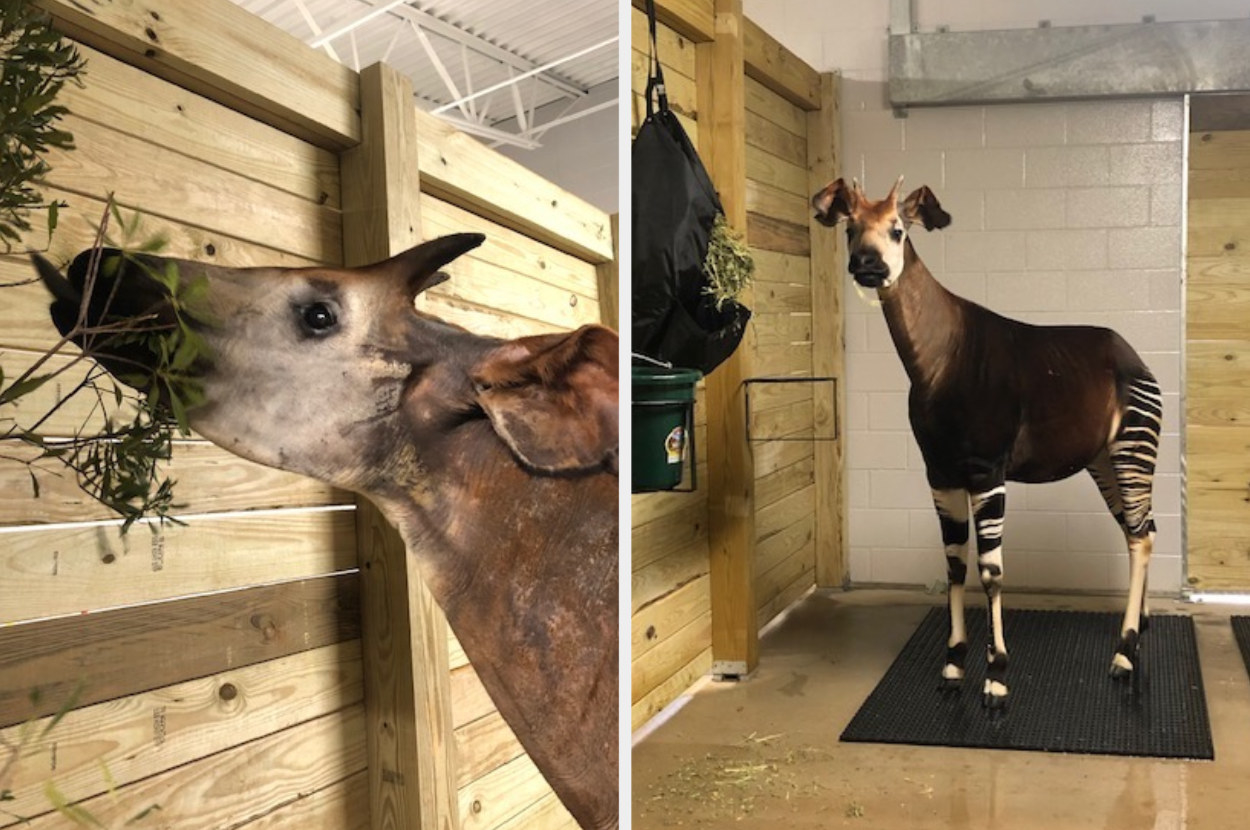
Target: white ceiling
(455, 48)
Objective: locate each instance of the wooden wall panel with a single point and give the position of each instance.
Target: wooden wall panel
(1217, 351)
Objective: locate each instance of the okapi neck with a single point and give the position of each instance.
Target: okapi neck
(924, 320)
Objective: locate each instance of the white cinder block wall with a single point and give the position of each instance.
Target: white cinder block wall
(1063, 213)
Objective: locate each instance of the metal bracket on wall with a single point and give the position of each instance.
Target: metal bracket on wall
(833, 399)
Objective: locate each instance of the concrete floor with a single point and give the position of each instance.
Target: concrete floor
(764, 752)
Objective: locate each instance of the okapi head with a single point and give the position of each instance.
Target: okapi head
(334, 373)
(876, 232)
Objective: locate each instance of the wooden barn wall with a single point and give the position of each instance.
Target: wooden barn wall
(1217, 320)
(216, 665)
(795, 483)
(670, 599)
(220, 662)
(785, 469)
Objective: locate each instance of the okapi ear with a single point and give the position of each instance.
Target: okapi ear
(553, 399)
(418, 266)
(834, 203)
(922, 206)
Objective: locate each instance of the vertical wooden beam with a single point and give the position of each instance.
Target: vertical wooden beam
(731, 473)
(828, 358)
(412, 781)
(609, 274)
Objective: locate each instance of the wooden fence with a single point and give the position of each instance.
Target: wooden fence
(243, 670)
(712, 567)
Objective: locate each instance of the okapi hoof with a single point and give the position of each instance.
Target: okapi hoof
(951, 684)
(994, 696)
(1125, 659)
(1121, 668)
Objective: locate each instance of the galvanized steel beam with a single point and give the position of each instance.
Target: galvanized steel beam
(1140, 59)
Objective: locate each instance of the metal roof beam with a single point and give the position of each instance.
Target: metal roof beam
(480, 45)
(1139, 59)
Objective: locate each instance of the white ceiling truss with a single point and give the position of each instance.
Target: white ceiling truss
(504, 71)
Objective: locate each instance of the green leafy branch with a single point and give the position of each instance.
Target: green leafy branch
(119, 466)
(36, 64)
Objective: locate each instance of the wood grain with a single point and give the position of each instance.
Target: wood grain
(223, 52)
(665, 575)
(126, 651)
(72, 570)
(661, 619)
(149, 733)
(461, 169)
(502, 795)
(310, 775)
(690, 18)
(676, 51)
(161, 182)
(779, 69)
(668, 691)
(778, 235)
(668, 655)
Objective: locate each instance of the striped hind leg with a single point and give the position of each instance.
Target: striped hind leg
(1132, 454)
(989, 504)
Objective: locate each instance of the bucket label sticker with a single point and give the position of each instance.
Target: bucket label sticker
(675, 445)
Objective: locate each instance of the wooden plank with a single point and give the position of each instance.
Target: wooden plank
(775, 203)
(1218, 457)
(691, 18)
(776, 486)
(765, 136)
(129, 100)
(783, 360)
(767, 104)
(650, 507)
(780, 545)
(162, 729)
(160, 182)
(1217, 291)
(673, 532)
(731, 513)
(682, 95)
(501, 795)
(72, 570)
(1219, 150)
(223, 52)
(1218, 523)
(668, 691)
(310, 775)
(779, 515)
(765, 167)
(461, 169)
(668, 656)
(545, 814)
(131, 650)
(469, 701)
(773, 584)
(209, 480)
(771, 456)
(1217, 383)
(782, 330)
(777, 235)
(666, 575)
(1218, 241)
(656, 622)
(782, 297)
(783, 269)
(787, 597)
(484, 745)
(828, 346)
(609, 274)
(408, 702)
(510, 250)
(341, 805)
(676, 51)
(638, 112)
(779, 69)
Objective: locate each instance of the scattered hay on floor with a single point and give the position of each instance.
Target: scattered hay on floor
(732, 783)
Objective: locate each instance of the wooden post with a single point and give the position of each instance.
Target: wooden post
(731, 474)
(609, 274)
(407, 677)
(823, 158)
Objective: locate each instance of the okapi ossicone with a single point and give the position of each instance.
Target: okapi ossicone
(495, 459)
(995, 400)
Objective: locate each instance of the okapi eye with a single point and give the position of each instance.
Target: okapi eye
(319, 318)
(896, 234)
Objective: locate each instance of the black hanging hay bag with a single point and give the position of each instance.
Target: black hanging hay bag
(675, 206)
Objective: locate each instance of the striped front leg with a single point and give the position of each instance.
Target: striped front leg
(988, 509)
(952, 510)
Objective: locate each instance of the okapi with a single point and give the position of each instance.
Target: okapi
(995, 400)
(495, 459)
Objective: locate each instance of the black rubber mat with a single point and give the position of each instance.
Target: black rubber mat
(1241, 628)
(1062, 697)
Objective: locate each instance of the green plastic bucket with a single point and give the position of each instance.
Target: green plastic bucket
(663, 416)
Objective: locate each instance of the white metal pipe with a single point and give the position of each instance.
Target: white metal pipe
(538, 70)
(352, 25)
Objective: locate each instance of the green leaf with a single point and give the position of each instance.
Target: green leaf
(54, 212)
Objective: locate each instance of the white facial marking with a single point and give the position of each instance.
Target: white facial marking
(892, 255)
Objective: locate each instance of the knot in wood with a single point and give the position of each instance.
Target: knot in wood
(228, 691)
